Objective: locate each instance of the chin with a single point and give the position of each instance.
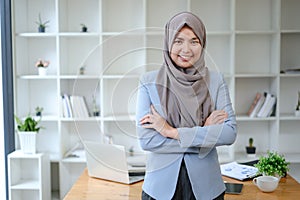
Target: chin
(185, 66)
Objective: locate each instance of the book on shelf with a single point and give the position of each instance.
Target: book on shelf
(74, 106)
(256, 105)
(291, 70)
(267, 108)
(66, 106)
(263, 105)
(79, 107)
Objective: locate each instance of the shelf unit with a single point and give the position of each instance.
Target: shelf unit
(124, 42)
(28, 176)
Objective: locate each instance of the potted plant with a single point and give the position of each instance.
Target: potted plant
(41, 25)
(42, 66)
(251, 149)
(297, 111)
(27, 131)
(273, 164)
(96, 111)
(38, 111)
(83, 28)
(82, 70)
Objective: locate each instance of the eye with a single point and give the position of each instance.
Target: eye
(195, 42)
(178, 42)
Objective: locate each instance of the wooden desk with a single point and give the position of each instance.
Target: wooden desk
(87, 188)
(288, 189)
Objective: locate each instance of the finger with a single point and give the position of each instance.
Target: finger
(145, 117)
(147, 126)
(145, 121)
(219, 120)
(219, 112)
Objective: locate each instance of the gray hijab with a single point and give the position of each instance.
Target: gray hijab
(184, 93)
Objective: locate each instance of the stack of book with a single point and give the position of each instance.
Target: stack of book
(291, 70)
(74, 106)
(263, 105)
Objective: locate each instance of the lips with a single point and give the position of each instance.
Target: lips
(184, 58)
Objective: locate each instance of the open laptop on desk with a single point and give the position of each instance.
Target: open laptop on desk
(108, 161)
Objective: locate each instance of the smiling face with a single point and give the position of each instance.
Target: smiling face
(186, 48)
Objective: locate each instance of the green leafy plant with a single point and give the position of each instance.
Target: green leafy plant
(273, 164)
(41, 23)
(28, 125)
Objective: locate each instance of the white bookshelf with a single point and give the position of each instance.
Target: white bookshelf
(28, 176)
(125, 41)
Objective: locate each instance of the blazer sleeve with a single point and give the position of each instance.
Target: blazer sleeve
(150, 139)
(214, 135)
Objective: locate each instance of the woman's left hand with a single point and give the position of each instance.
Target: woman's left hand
(158, 123)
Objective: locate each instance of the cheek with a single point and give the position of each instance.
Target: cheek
(197, 53)
(174, 53)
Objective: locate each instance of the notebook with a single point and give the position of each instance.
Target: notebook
(109, 162)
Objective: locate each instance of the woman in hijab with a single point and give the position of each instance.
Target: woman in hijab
(183, 113)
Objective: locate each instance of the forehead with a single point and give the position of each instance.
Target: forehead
(186, 32)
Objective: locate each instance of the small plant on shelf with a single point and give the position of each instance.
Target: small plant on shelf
(82, 70)
(83, 28)
(29, 124)
(96, 111)
(273, 164)
(297, 111)
(38, 111)
(42, 66)
(27, 131)
(41, 25)
(251, 149)
(42, 63)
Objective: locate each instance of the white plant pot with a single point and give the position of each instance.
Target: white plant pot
(42, 71)
(297, 113)
(28, 142)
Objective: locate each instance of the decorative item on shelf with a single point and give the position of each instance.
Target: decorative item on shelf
(83, 28)
(42, 25)
(273, 164)
(82, 70)
(251, 149)
(27, 131)
(38, 111)
(131, 151)
(96, 111)
(42, 66)
(297, 111)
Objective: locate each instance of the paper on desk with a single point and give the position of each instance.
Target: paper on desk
(238, 171)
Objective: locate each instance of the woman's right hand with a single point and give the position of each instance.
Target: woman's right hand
(216, 117)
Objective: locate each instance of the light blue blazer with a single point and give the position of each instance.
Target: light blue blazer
(197, 145)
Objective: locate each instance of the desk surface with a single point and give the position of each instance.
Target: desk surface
(87, 188)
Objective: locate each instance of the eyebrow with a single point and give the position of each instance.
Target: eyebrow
(180, 38)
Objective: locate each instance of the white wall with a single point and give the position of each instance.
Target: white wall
(2, 160)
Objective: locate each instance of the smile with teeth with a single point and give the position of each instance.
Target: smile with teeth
(184, 57)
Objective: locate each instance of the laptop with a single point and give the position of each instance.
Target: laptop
(109, 162)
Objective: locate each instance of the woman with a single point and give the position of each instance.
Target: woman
(183, 113)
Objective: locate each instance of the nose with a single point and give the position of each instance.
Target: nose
(186, 47)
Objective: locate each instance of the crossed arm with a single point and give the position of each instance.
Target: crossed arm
(157, 122)
(156, 135)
